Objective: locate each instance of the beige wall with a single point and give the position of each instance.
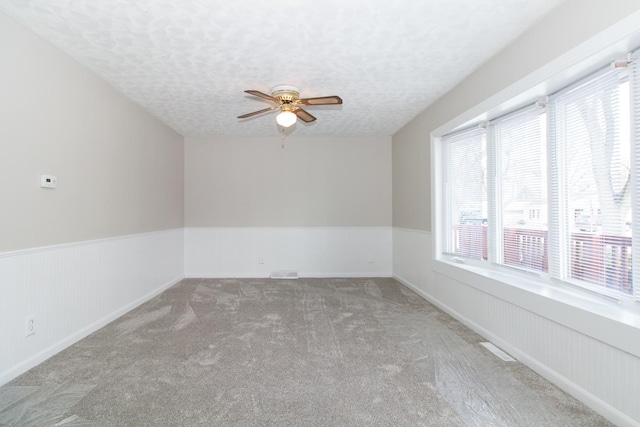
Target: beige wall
(312, 182)
(566, 27)
(120, 171)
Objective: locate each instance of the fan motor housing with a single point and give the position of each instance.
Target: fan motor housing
(285, 93)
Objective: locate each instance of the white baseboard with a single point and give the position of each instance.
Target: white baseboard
(301, 275)
(346, 274)
(228, 275)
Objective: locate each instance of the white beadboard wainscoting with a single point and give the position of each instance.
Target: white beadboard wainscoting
(312, 251)
(412, 256)
(75, 289)
(595, 356)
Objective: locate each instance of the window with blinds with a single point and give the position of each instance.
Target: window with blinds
(553, 188)
(465, 198)
(520, 208)
(634, 118)
(590, 124)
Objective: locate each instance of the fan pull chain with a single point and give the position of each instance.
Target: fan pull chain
(282, 138)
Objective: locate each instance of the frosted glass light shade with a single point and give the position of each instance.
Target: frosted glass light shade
(286, 119)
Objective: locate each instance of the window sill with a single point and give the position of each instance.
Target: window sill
(595, 316)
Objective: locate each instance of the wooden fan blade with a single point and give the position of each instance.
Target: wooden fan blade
(262, 95)
(303, 115)
(323, 100)
(255, 113)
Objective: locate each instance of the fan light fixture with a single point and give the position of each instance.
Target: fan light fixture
(286, 119)
(288, 101)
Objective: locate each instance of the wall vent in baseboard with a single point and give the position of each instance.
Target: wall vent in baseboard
(495, 350)
(284, 274)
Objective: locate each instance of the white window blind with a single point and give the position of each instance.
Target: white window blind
(590, 176)
(635, 164)
(465, 193)
(520, 206)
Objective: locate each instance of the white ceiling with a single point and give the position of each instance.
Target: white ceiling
(189, 61)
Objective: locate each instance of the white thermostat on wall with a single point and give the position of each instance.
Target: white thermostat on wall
(48, 181)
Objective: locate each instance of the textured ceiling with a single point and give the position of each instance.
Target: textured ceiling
(189, 61)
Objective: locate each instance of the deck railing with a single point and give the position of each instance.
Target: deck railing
(598, 259)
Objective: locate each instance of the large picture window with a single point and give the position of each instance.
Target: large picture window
(549, 189)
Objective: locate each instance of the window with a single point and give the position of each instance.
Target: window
(520, 187)
(590, 127)
(550, 189)
(465, 197)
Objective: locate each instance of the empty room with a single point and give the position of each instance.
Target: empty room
(333, 213)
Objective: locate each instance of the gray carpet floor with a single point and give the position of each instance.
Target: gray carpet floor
(307, 352)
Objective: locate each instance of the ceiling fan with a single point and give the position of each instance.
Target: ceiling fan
(288, 99)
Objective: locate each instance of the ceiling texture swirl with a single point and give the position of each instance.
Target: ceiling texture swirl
(188, 62)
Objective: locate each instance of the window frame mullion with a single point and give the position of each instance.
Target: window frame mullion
(494, 198)
(558, 231)
(634, 122)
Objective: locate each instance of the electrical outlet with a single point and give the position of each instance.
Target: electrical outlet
(260, 260)
(372, 259)
(31, 326)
